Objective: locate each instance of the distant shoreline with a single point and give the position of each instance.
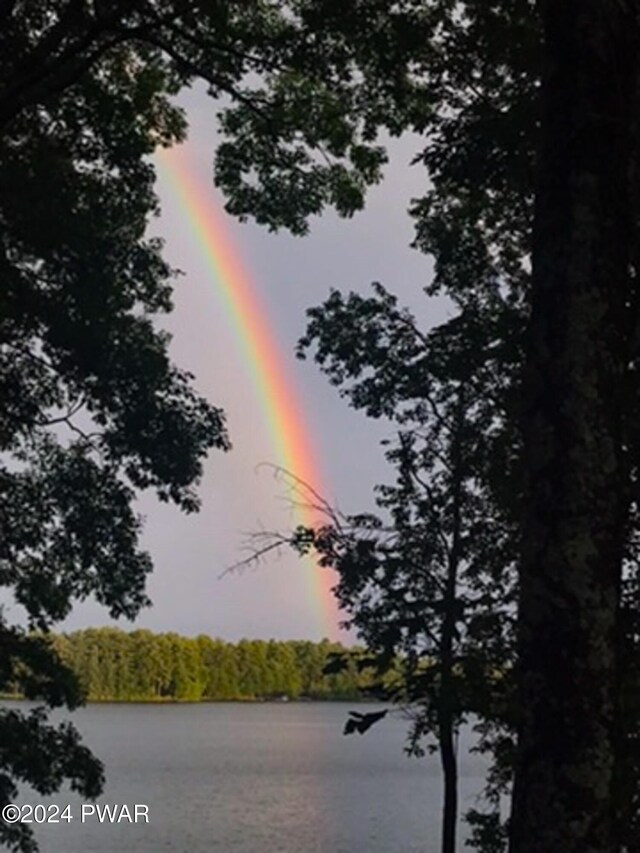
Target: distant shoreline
(300, 700)
(112, 665)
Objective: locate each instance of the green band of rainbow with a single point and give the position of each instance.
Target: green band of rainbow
(273, 386)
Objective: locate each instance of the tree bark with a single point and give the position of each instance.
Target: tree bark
(448, 702)
(575, 502)
(449, 763)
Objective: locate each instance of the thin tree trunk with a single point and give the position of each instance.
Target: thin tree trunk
(450, 772)
(575, 496)
(447, 703)
(446, 715)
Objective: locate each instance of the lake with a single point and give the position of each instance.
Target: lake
(256, 778)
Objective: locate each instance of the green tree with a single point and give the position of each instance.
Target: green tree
(186, 679)
(146, 664)
(164, 651)
(311, 662)
(282, 662)
(429, 583)
(220, 669)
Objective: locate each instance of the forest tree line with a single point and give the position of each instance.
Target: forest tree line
(137, 666)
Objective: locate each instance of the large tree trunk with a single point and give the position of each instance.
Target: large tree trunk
(576, 494)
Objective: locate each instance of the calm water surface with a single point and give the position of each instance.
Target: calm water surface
(263, 778)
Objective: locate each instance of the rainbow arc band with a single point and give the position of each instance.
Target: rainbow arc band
(238, 294)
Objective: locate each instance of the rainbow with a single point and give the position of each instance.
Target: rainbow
(239, 297)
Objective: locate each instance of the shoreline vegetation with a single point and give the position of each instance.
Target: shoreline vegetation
(140, 666)
(240, 700)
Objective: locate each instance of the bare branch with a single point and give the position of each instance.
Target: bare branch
(276, 541)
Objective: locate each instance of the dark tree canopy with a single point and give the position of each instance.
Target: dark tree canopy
(304, 115)
(92, 408)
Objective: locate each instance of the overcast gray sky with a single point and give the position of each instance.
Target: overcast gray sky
(280, 598)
